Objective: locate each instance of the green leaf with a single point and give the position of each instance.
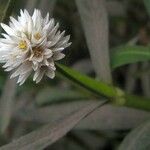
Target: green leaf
(129, 54)
(147, 5)
(96, 86)
(138, 139)
(56, 95)
(47, 135)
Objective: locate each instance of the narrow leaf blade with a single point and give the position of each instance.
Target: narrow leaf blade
(95, 24)
(52, 132)
(129, 54)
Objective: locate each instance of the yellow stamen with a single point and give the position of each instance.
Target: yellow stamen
(37, 36)
(23, 45)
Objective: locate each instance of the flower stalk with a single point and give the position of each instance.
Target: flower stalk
(114, 94)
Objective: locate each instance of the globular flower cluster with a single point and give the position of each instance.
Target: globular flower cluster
(32, 44)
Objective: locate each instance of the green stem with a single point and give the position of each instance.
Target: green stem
(137, 102)
(94, 86)
(114, 94)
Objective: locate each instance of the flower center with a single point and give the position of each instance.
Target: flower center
(22, 45)
(37, 51)
(37, 36)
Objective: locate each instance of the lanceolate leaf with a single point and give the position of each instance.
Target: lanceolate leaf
(38, 140)
(98, 120)
(94, 19)
(138, 139)
(129, 54)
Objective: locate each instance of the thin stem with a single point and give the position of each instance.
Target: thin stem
(114, 94)
(137, 102)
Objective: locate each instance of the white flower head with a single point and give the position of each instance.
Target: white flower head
(32, 44)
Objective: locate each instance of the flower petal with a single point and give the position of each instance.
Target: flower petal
(50, 73)
(58, 56)
(8, 30)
